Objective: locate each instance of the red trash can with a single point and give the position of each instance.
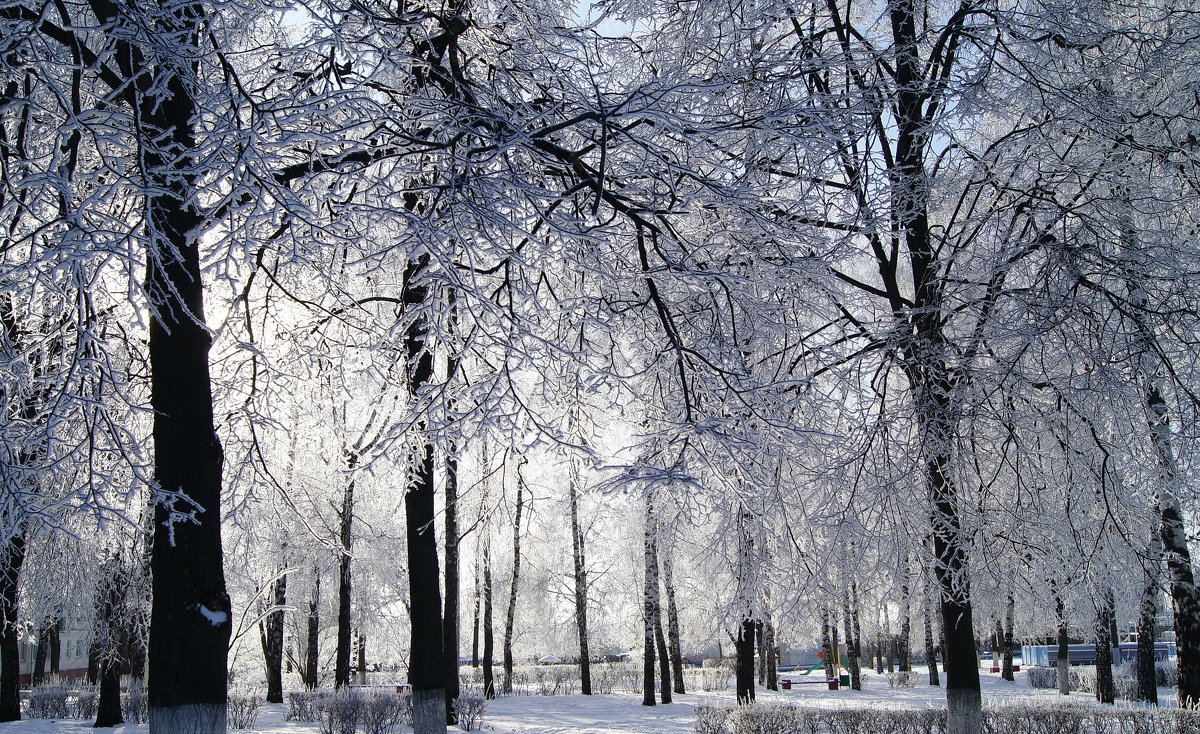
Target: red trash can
(785, 684)
(833, 684)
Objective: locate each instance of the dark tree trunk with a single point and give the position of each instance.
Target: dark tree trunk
(1147, 684)
(55, 646)
(191, 616)
(109, 633)
(1063, 661)
(489, 685)
(904, 643)
(450, 615)
(40, 655)
(772, 657)
(427, 660)
(673, 633)
(312, 656)
(1006, 671)
(510, 615)
(1105, 692)
(931, 648)
(853, 651)
(744, 666)
(475, 616)
(362, 657)
(664, 660)
(341, 660)
(271, 638)
(761, 650)
(10, 649)
(108, 705)
(93, 664)
(579, 562)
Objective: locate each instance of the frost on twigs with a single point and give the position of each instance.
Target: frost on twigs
(175, 503)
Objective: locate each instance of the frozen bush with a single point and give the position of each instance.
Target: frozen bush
(339, 713)
(84, 702)
(1166, 674)
(714, 678)
(1042, 677)
(382, 713)
(756, 719)
(710, 718)
(48, 702)
(470, 711)
(302, 705)
(902, 679)
(242, 709)
(135, 707)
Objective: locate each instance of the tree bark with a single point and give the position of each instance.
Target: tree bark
(510, 615)
(1006, 672)
(772, 657)
(1064, 647)
(1105, 692)
(10, 650)
(341, 664)
(853, 652)
(579, 564)
(450, 615)
(1147, 679)
(475, 614)
(744, 666)
(649, 602)
(55, 646)
(312, 655)
(664, 660)
(827, 646)
(271, 638)
(931, 648)
(362, 657)
(489, 686)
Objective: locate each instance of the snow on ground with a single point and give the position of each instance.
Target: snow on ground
(623, 713)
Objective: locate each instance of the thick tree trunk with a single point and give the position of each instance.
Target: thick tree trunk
(271, 638)
(931, 648)
(1105, 692)
(312, 655)
(510, 615)
(40, 655)
(56, 647)
(108, 704)
(1147, 684)
(12, 560)
(109, 633)
(1006, 671)
(191, 618)
(1063, 661)
(450, 615)
(579, 564)
(489, 686)
(427, 657)
(744, 666)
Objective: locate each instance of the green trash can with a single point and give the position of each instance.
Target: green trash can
(845, 680)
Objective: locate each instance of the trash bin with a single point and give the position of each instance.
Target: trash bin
(833, 684)
(845, 680)
(785, 684)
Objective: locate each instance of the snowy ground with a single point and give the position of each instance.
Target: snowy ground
(623, 713)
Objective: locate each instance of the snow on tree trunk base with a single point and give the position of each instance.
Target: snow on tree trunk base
(963, 711)
(192, 718)
(429, 711)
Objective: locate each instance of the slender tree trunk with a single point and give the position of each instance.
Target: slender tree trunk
(510, 615)
(772, 657)
(341, 665)
(10, 650)
(55, 646)
(673, 633)
(312, 656)
(744, 670)
(579, 563)
(904, 644)
(1006, 671)
(931, 649)
(489, 686)
(108, 637)
(761, 666)
(1064, 648)
(362, 657)
(827, 646)
(664, 660)
(1105, 692)
(853, 651)
(450, 616)
(649, 602)
(475, 614)
(427, 657)
(40, 653)
(271, 637)
(1147, 683)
